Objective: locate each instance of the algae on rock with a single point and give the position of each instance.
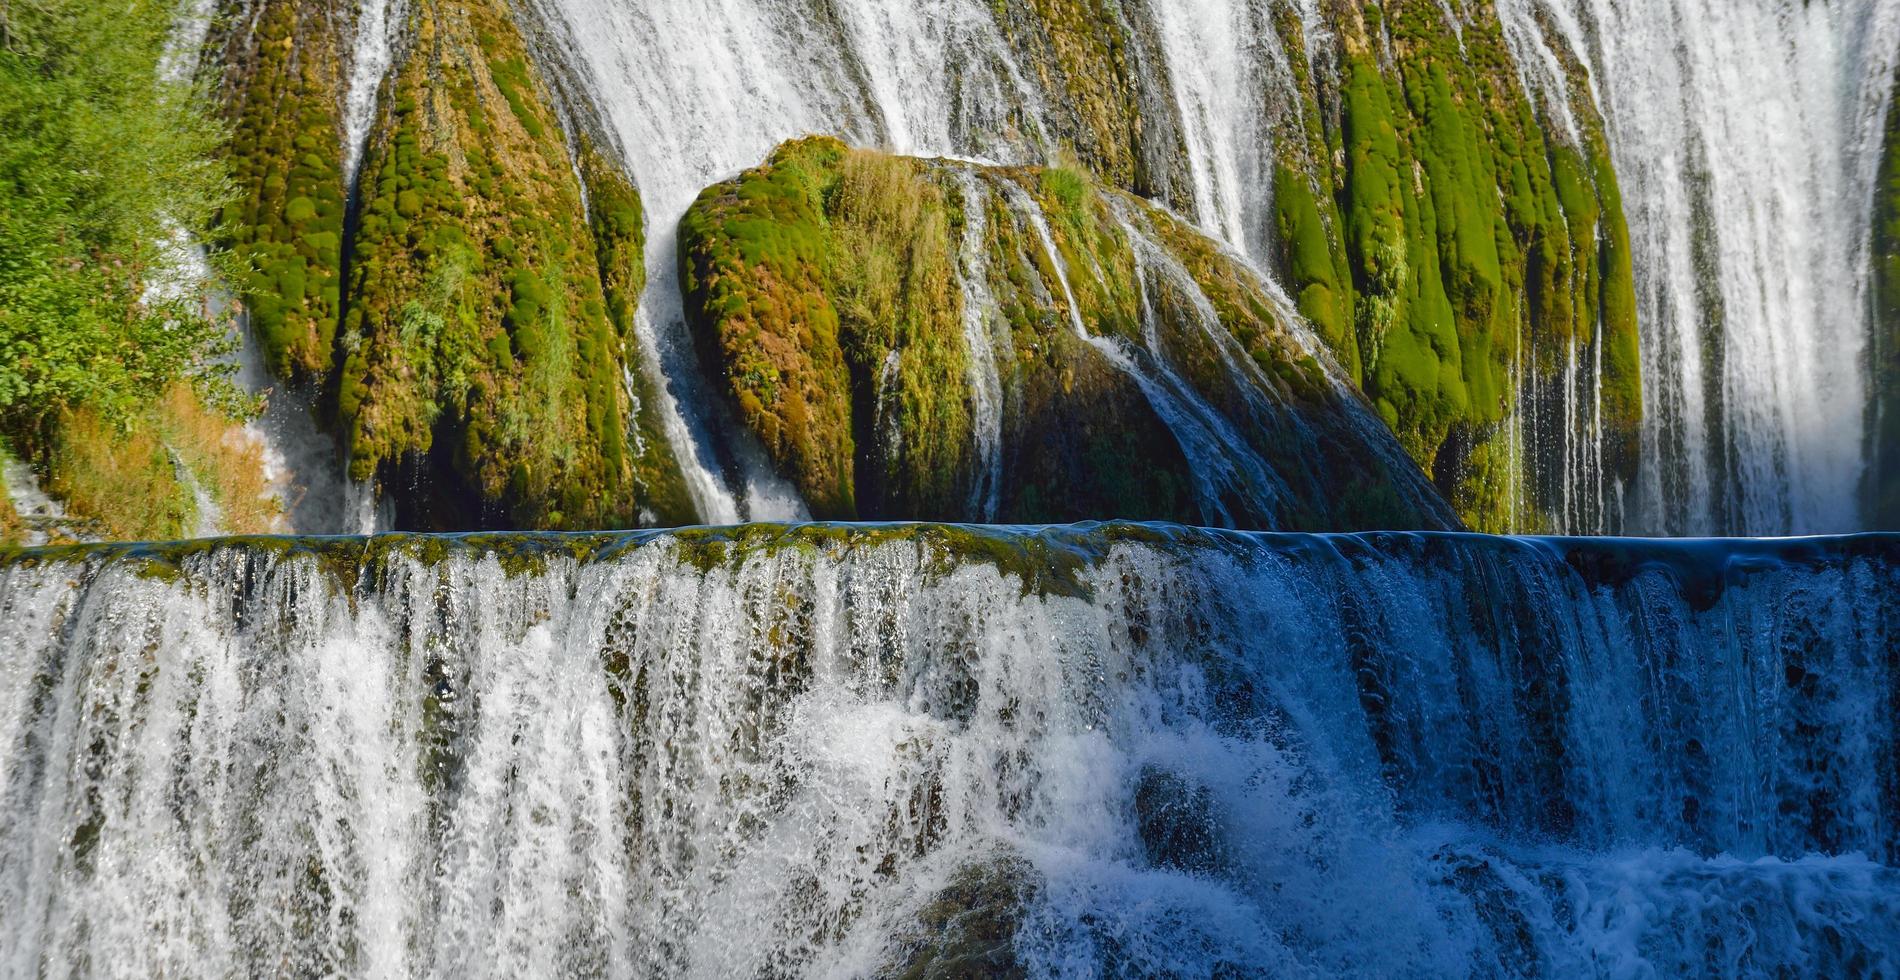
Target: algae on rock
(481, 352)
(1139, 370)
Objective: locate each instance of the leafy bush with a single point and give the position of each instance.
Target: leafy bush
(104, 165)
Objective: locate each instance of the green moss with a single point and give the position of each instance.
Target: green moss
(490, 332)
(1314, 266)
(1474, 247)
(756, 267)
(282, 94)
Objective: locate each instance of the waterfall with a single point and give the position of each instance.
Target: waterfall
(1222, 91)
(981, 320)
(1123, 749)
(370, 60)
(1745, 134)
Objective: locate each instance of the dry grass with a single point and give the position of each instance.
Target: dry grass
(11, 527)
(223, 457)
(125, 484)
(121, 481)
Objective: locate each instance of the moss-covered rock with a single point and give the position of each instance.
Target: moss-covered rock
(480, 355)
(1140, 371)
(1465, 248)
(969, 928)
(284, 84)
(1883, 476)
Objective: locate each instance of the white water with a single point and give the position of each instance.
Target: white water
(981, 322)
(371, 55)
(1754, 124)
(39, 512)
(1388, 755)
(1225, 63)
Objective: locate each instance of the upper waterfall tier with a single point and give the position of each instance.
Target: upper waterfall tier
(1566, 249)
(820, 750)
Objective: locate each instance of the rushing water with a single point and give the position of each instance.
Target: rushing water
(371, 54)
(1746, 134)
(850, 750)
(697, 92)
(982, 321)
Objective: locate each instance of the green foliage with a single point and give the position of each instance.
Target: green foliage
(98, 158)
(12, 528)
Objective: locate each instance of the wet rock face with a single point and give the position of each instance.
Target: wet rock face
(1883, 477)
(1178, 824)
(914, 339)
(969, 928)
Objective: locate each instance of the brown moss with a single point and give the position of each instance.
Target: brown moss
(120, 482)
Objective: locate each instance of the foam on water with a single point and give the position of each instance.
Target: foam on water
(835, 750)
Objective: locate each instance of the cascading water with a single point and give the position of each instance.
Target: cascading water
(1221, 463)
(1745, 134)
(980, 324)
(1223, 90)
(38, 511)
(370, 59)
(1120, 749)
(696, 94)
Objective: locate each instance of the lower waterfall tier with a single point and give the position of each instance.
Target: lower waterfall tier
(926, 750)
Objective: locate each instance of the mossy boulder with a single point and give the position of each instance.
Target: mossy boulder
(834, 289)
